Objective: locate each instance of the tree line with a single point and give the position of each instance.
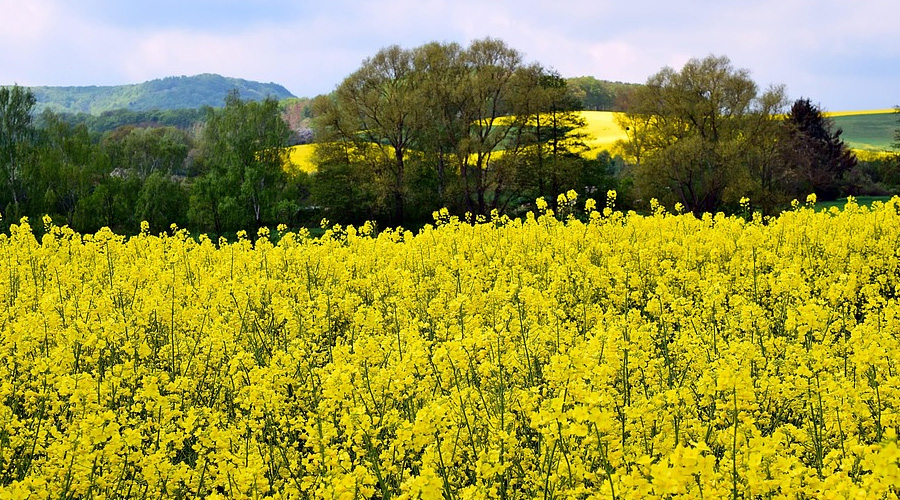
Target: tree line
(170, 93)
(222, 175)
(707, 136)
(475, 129)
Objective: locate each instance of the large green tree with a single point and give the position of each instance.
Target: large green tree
(492, 87)
(690, 132)
(432, 120)
(440, 73)
(242, 161)
(68, 166)
(16, 141)
(378, 110)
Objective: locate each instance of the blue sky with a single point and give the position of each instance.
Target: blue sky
(844, 55)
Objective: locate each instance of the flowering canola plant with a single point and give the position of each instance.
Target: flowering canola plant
(585, 354)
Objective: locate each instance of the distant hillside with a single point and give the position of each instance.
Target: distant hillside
(176, 92)
(600, 95)
(867, 130)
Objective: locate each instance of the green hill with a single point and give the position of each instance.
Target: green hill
(872, 130)
(176, 92)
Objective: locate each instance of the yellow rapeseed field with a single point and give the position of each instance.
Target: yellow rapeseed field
(832, 114)
(587, 354)
(602, 131)
(300, 158)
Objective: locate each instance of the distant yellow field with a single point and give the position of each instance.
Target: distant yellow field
(602, 130)
(832, 114)
(872, 154)
(300, 158)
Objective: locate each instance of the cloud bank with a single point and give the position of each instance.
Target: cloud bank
(843, 55)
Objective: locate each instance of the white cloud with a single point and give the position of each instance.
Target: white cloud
(817, 48)
(26, 23)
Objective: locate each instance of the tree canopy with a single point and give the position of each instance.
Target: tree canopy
(472, 128)
(242, 165)
(690, 131)
(16, 137)
(706, 135)
(468, 128)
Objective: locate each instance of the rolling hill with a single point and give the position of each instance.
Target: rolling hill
(867, 130)
(176, 92)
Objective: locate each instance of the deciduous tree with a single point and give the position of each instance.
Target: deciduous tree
(439, 106)
(382, 107)
(243, 157)
(689, 132)
(16, 135)
(489, 108)
(68, 166)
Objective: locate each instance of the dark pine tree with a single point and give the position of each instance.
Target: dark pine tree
(817, 151)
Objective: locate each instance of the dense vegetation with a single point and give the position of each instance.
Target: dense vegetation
(177, 92)
(108, 121)
(473, 129)
(600, 95)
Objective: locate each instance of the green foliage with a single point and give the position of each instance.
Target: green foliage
(547, 152)
(16, 143)
(816, 151)
(163, 94)
(162, 201)
(108, 121)
(343, 189)
(699, 136)
(228, 177)
(470, 128)
(145, 150)
(242, 160)
(110, 204)
(68, 166)
(381, 105)
(874, 177)
(600, 95)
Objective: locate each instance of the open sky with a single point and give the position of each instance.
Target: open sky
(842, 54)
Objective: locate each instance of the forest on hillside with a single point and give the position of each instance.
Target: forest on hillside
(164, 94)
(472, 129)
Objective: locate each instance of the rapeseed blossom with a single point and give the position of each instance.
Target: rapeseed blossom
(607, 356)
